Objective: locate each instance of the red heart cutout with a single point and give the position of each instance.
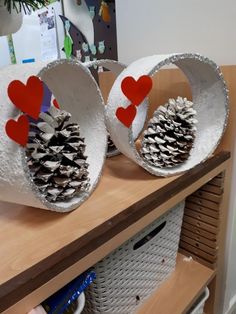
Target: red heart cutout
(18, 130)
(55, 103)
(28, 98)
(136, 91)
(126, 115)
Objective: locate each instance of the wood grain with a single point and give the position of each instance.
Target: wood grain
(203, 210)
(204, 203)
(201, 261)
(198, 231)
(208, 196)
(198, 238)
(199, 244)
(54, 242)
(48, 242)
(180, 290)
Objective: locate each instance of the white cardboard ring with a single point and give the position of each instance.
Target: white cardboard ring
(77, 92)
(210, 98)
(116, 68)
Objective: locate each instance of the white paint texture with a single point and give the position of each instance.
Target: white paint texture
(209, 95)
(77, 92)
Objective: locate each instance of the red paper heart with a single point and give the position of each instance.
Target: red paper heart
(55, 103)
(18, 130)
(126, 115)
(136, 91)
(28, 98)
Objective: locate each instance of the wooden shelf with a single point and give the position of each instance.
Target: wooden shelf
(180, 290)
(41, 251)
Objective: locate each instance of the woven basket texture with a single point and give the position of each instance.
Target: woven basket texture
(127, 276)
(198, 307)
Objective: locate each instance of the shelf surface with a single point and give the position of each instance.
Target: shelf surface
(37, 245)
(180, 290)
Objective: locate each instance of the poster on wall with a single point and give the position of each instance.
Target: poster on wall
(48, 34)
(40, 35)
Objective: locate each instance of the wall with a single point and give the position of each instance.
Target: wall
(163, 26)
(4, 52)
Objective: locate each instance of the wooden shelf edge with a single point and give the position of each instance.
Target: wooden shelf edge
(22, 285)
(180, 290)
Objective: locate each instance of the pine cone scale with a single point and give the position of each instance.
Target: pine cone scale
(170, 134)
(55, 156)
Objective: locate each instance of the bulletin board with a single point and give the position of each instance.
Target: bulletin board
(37, 41)
(105, 37)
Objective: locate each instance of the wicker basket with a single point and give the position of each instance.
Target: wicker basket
(198, 307)
(129, 274)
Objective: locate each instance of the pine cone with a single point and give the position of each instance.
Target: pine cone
(55, 156)
(170, 134)
(111, 146)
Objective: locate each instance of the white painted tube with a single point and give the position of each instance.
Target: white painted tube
(210, 98)
(77, 92)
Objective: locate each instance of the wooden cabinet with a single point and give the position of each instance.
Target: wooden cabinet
(41, 251)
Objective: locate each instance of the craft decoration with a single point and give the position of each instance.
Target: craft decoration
(170, 134)
(126, 115)
(85, 47)
(55, 156)
(55, 103)
(79, 54)
(102, 32)
(95, 65)
(78, 144)
(18, 130)
(101, 46)
(92, 11)
(86, 58)
(210, 100)
(23, 96)
(47, 95)
(80, 16)
(68, 42)
(104, 12)
(136, 91)
(116, 67)
(93, 49)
